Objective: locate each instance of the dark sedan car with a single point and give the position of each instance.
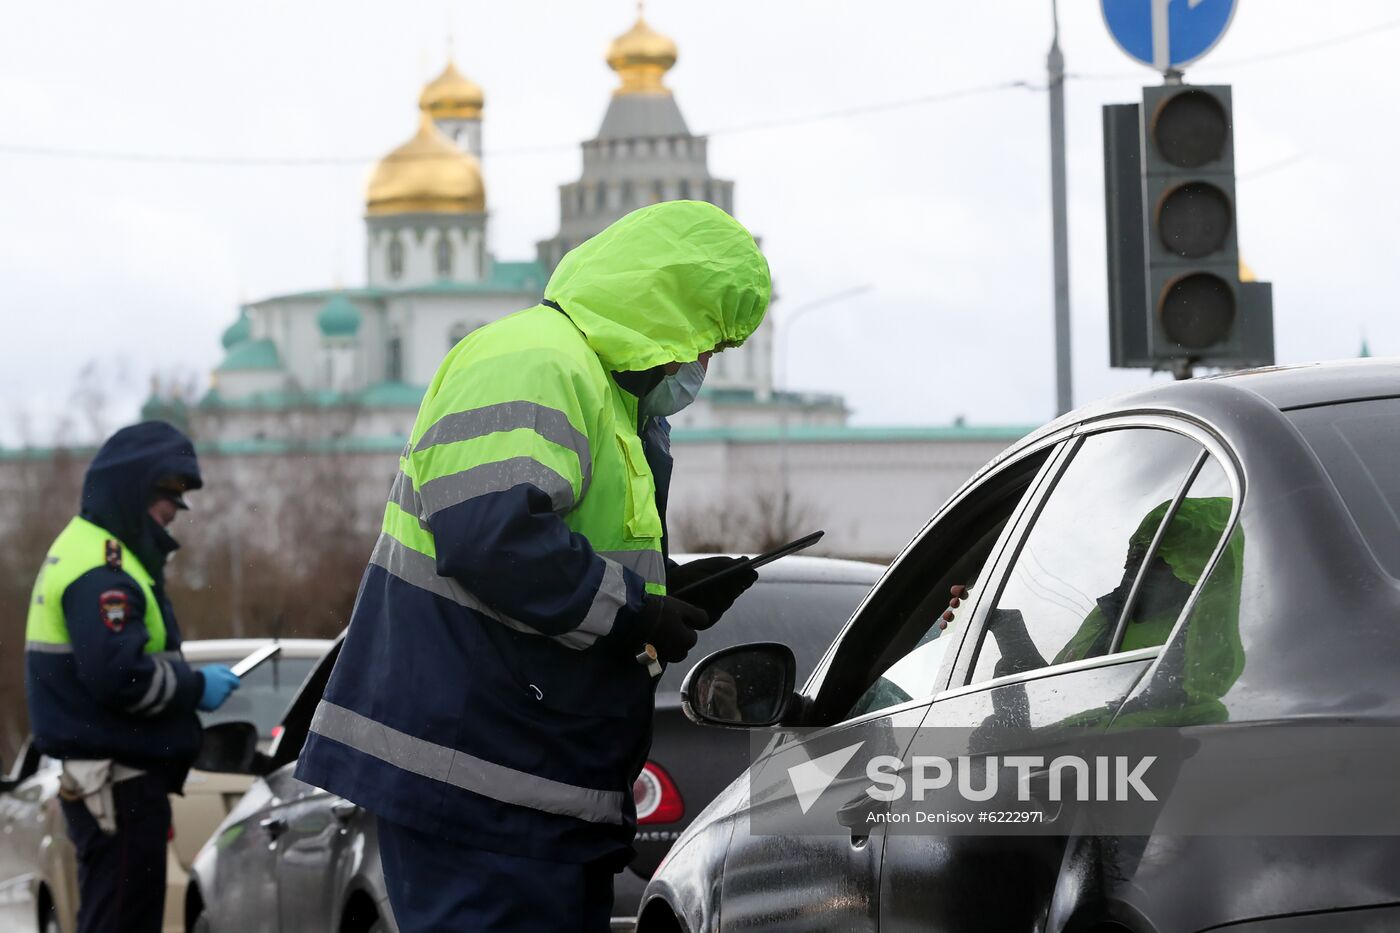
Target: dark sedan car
(1215, 561)
(292, 857)
(801, 601)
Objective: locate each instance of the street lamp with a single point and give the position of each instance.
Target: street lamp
(780, 363)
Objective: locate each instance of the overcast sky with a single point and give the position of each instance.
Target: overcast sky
(942, 207)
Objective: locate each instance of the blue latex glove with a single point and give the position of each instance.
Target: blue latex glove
(219, 682)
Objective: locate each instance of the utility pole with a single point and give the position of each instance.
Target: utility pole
(1055, 74)
(780, 359)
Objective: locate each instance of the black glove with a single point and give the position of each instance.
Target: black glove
(670, 626)
(715, 598)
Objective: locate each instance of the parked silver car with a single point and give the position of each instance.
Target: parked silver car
(38, 867)
(289, 856)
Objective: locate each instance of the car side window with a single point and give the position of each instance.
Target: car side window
(955, 552)
(1070, 580)
(1182, 553)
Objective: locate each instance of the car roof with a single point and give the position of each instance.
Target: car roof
(208, 648)
(803, 568)
(1322, 383)
(1270, 389)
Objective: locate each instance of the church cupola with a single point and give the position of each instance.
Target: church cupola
(426, 209)
(339, 318)
(641, 56)
(454, 101)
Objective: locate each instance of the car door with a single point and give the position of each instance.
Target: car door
(271, 817)
(799, 862)
(22, 828)
(308, 844)
(1041, 660)
(315, 830)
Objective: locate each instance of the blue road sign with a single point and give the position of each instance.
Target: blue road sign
(1167, 34)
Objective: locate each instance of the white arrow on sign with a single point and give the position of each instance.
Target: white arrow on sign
(1161, 33)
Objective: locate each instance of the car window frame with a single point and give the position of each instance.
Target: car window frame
(308, 695)
(876, 602)
(1198, 430)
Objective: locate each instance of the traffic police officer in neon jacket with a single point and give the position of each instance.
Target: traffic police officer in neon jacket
(108, 690)
(487, 704)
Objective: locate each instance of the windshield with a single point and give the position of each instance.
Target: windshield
(1359, 446)
(803, 616)
(263, 695)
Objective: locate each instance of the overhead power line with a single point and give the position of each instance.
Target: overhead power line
(57, 152)
(95, 155)
(1275, 55)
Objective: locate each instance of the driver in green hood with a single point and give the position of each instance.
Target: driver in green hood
(488, 705)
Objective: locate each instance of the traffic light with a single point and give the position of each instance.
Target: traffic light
(1176, 299)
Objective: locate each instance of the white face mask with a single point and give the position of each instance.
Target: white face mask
(674, 392)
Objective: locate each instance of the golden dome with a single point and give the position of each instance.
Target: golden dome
(641, 56)
(451, 96)
(427, 174)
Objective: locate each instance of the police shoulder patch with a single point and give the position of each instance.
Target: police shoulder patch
(115, 605)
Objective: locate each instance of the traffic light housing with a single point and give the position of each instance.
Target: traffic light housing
(1175, 295)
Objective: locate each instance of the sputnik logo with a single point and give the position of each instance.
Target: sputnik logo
(811, 778)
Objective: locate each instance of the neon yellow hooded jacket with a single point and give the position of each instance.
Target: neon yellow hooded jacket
(488, 684)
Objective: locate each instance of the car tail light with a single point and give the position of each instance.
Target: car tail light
(658, 800)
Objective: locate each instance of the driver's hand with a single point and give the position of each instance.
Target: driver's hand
(957, 594)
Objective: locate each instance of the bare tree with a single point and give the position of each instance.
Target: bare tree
(754, 522)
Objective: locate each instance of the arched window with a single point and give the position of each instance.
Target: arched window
(443, 256)
(395, 257)
(393, 363)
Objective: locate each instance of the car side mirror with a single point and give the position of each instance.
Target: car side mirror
(229, 748)
(742, 687)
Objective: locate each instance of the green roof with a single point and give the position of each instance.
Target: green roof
(251, 355)
(394, 443)
(278, 446)
(380, 395)
(339, 317)
(391, 395)
(776, 398)
(526, 278)
(807, 434)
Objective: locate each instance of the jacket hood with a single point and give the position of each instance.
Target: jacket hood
(663, 285)
(119, 482)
